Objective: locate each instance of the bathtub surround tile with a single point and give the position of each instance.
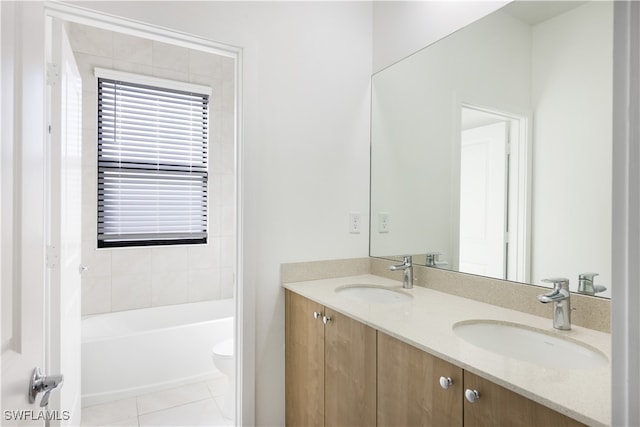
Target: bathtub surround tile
(169, 287)
(227, 283)
(170, 57)
(171, 398)
(227, 251)
(205, 256)
(135, 274)
(132, 67)
(96, 294)
(168, 258)
(130, 292)
(204, 63)
(90, 113)
(165, 73)
(131, 261)
(108, 413)
(98, 262)
(204, 285)
(132, 49)
(91, 40)
(86, 65)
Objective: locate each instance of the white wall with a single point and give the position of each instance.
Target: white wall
(306, 143)
(400, 28)
(572, 151)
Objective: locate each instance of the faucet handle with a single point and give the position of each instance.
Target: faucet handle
(587, 276)
(558, 282)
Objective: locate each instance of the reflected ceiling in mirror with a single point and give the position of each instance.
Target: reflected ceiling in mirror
(491, 149)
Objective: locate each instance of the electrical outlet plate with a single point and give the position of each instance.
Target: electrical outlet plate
(383, 222)
(355, 222)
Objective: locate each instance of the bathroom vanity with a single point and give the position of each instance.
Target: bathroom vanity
(367, 358)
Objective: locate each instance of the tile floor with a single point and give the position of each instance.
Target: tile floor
(195, 404)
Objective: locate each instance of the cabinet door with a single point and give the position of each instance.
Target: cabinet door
(498, 406)
(350, 372)
(304, 362)
(409, 391)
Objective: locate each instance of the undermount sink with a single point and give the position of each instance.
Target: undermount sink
(530, 345)
(373, 294)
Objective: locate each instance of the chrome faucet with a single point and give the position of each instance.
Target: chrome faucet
(407, 268)
(561, 299)
(433, 259)
(586, 286)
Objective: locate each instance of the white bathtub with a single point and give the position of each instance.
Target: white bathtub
(139, 351)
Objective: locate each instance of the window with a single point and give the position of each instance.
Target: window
(152, 161)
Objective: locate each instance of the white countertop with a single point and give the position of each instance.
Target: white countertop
(426, 322)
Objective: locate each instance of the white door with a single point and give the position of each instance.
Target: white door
(483, 197)
(63, 343)
(22, 207)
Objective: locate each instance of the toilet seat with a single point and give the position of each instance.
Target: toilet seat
(224, 349)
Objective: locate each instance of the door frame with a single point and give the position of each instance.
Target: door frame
(244, 336)
(519, 187)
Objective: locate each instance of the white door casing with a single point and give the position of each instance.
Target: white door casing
(63, 352)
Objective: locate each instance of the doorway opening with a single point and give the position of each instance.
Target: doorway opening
(494, 198)
(181, 302)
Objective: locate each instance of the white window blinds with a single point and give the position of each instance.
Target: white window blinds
(152, 165)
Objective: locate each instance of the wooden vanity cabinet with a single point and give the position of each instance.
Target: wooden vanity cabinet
(304, 362)
(344, 373)
(409, 391)
(498, 406)
(330, 373)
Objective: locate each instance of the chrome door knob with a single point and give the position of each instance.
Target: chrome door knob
(326, 319)
(472, 396)
(445, 382)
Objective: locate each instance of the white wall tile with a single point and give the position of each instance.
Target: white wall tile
(169, 258)
(86, 65)
(96, 294)
(204, 285)
(170, 57)
(97, 261)
(132, 49)
(166, 73)
(89, 148)
(227, 283)
(205, 256)
(205, 63)
(91, 40)
(90, 110)
(227, 251)
(132, 67)
(129, 292)
(140, 277)
(131, 261)
(169, 287)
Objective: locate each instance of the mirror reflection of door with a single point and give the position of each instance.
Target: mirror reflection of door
(483, 193)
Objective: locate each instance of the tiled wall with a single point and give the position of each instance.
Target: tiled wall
(125, 279)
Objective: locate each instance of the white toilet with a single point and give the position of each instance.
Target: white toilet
(223, 359)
